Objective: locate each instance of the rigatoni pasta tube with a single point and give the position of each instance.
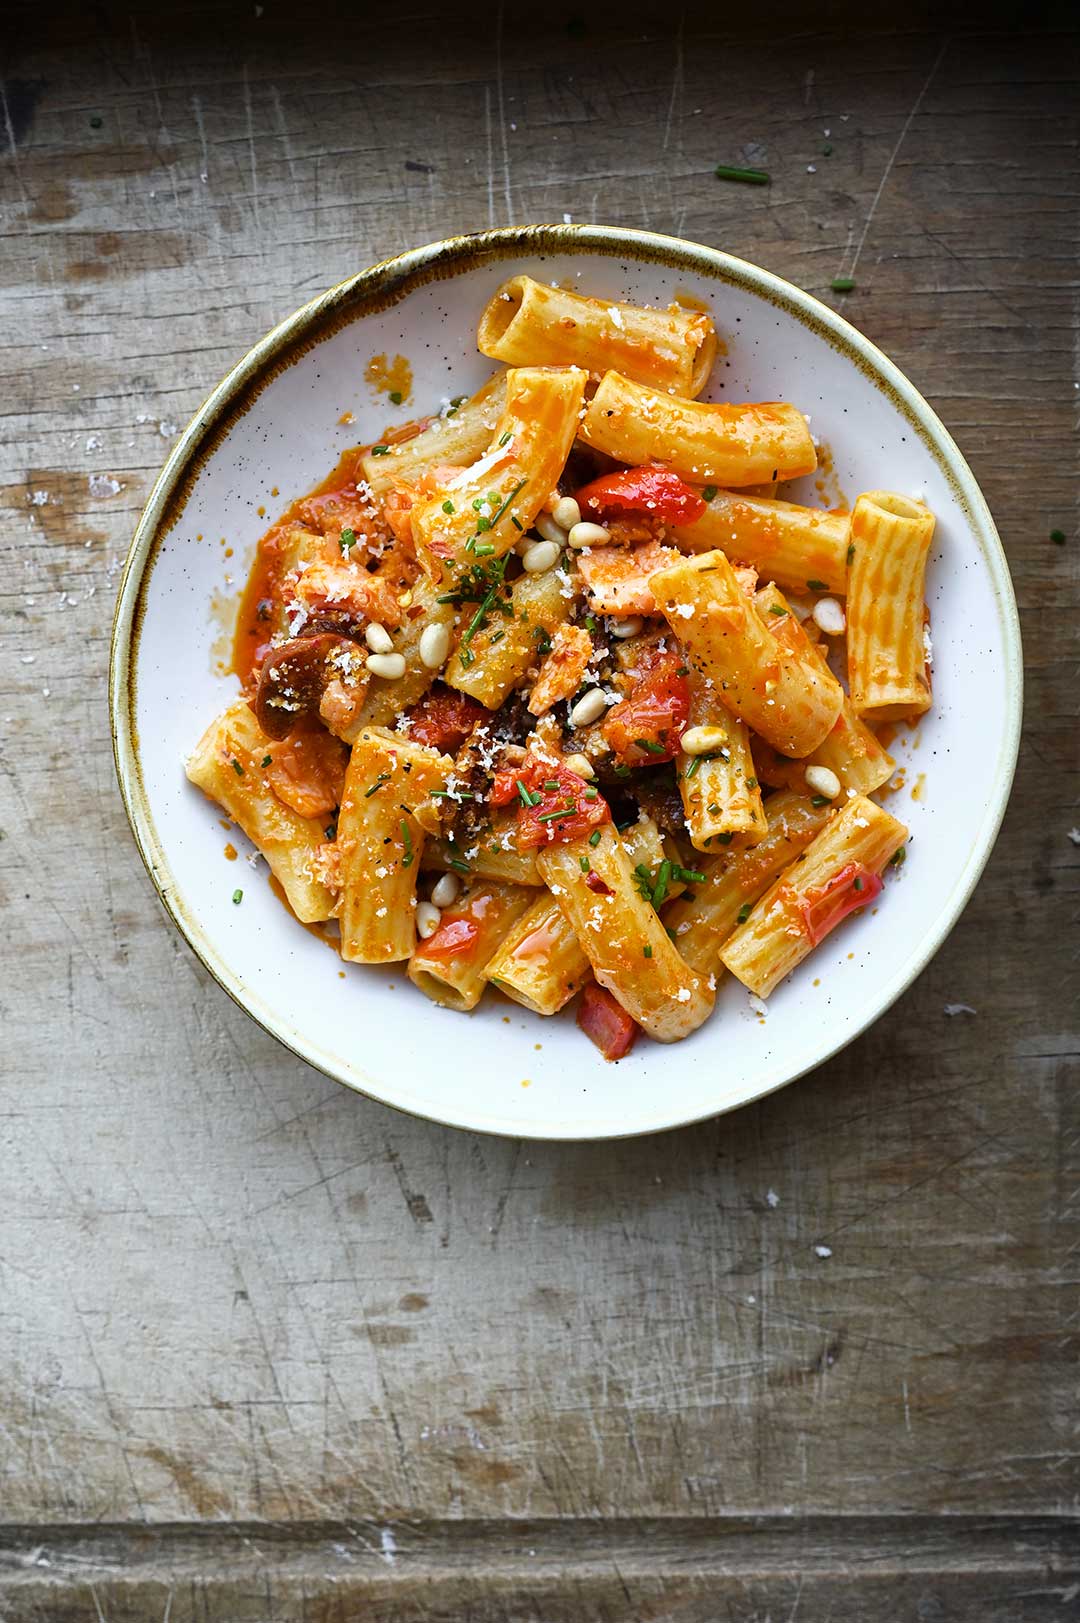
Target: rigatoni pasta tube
(527, 323)
(493, 502)
(891, 536)
(719, 790)
(227, 765)
(731, 445)
(456, 437)
(541, 964)
(838, 873)
(622, 937)
(799, 547)
(381, 843)
(449, 966)
(849, 749)
(791, 702)
(498, 656)
(735, 879)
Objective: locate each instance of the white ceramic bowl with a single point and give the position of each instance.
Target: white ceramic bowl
(274, 422)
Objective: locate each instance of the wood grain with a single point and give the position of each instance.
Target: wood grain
(232, 1293)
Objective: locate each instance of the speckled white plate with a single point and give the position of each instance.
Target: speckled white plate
(274, 422)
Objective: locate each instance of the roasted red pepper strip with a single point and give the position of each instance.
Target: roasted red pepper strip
(606, 1023)
(457, 934)
(443, 719)
(645, 729)
(558, 814)
(823, 909)
(655, 491)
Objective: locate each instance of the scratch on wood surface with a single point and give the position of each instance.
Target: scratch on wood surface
(939, 59)
(676, 80)
(502, 112)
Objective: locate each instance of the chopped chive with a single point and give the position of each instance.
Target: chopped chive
(462, 867)
(751, 783)
(348, 539)
(708, 494)
(483, 549)
(406, 840)
(444, 794)
(590, 619)
(498, 637)
(851, 552)
(523, 794)
(751, 177)
(483, 525)
(552, 783)
(713, 810)
(650, 745)
(683, 670)
(554, 816)
(1058, 537)
(819, 800)
(661, 886)
(380, 450)
(857, 884)
(507, 437)
(448, 506)
(898, 857)
(817, 586)
(688, 876)
(384, 777)
(724, 839)
(591, 793)
(646, 952)
(515, 522)
(237, 768)
(238, 897)
(583, 864)
(465, 657)
(330, 831)
(594, 837)
(744, 912)
(265, 760)
(395, 397)
(774, 608)
(842, 284)
(622, 771)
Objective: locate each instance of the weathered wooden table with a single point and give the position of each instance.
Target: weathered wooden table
(270, 1351)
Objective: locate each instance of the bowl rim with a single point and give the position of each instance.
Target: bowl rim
(386, 282)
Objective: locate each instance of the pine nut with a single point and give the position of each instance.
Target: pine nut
(546, 526)
(627, 627)
(829, 616)
(823, 781)
(589, 708)
(379, 639)
(588, 535)
(428, 919)
(566, 512)
(580, 764)
(445, 890)
(391, 667)
(702, 740)
(434, 646)
(541, 556)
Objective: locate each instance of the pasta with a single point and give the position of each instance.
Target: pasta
(527, 323)
(525, 707)
(790, 701)
(886, 611)
(735, 445)
(838, 873)
(800, 548)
